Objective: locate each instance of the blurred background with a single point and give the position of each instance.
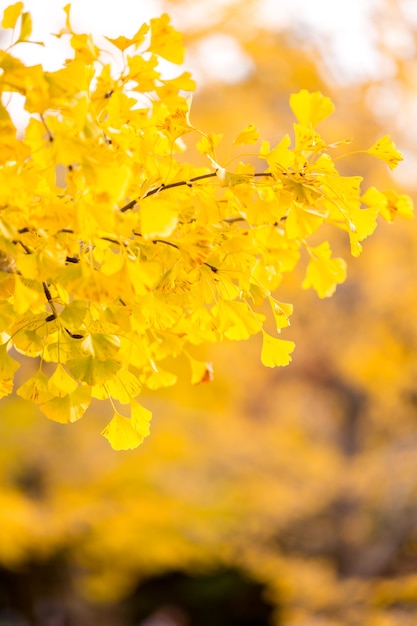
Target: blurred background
(280, 497)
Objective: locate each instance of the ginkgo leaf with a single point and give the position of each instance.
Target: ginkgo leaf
(140, 418)
(248, 135)
(310, 108)
(93, 371)
(226, 178)
(104, 345)
(363, 224)
(281, 312)
(165, 40)
(237, 320)
(8, 367)
(281, 157)
(68, 408)
(116, 254)
(208, 143)
(122, 43)
(123, 386)
(12, 14)
(386, 150)
(121, 434)
(61, 383)
(398, 205)
(158, 218)
(25, 28)
(276, 352)
(324, 273)
(35, 389)
(159, 379)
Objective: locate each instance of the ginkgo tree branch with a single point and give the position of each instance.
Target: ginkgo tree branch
(182, 183)
(132, 286)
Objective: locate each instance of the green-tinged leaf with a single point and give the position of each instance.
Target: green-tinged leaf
(92, 371)
(104, 345)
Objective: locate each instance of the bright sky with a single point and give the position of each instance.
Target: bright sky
(342, 28)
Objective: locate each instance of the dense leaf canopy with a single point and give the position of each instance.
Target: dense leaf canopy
(116, 254)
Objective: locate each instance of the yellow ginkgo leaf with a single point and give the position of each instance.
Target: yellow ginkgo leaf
(208, 143)
(248, 135)
(122, 43)
(280, 158)
(35, 389)
(92, 371)
(140, 418)
(8, 367)
(61, 383)
(11, 15)
(281, 312)
(324, 273)
(159, 379)
(275, 352)
(398, 204)
(237, 320)
(69, 408)
(165, 40)
(386, 150)
(310, 108)
(121, 434)
(26, 28)
(123, 386)
(158, 218)
(363, 224)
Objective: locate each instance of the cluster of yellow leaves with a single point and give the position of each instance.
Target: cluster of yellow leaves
(115, 255)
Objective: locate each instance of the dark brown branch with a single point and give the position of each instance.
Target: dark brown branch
(181, 183)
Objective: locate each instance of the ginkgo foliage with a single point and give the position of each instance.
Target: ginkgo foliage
(115, 254)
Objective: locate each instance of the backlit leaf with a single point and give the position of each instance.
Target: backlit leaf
(386, 150)
(248, 135)
(276, 352)
(165, 40)
(61, 383)
(140, 418)
(310, 108)
(68, 408)
(324, 273)
(121, 434)
(12, 14)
